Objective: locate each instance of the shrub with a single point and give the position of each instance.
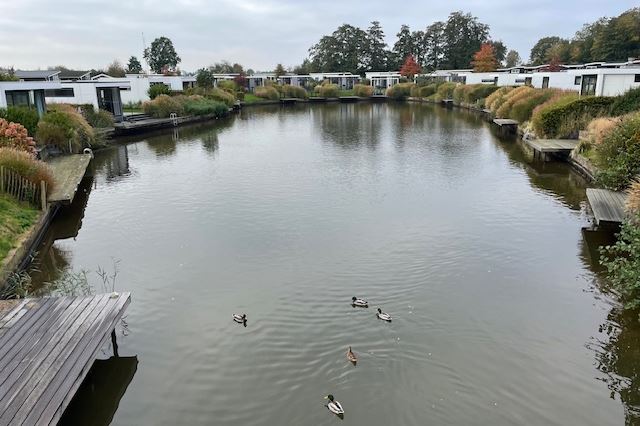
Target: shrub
(400, 91)
(622, 261)
(76, 132)
(520, 93)
(26, 166)
(98, 119)
(477, 92)
(363, 90)
(14, 135)
(289, 91)
(267, 92)
(495, 96)
(328, 90)
(459, 93)
(162, 106)
(618, 155)
(220, 96)
(28, 117)
(428, 90)
(600, 127)
(632, 204)
(157, 90)
(626, 103)
(228, 86)
(567, 117)
(445, 91)
(202, 106)
(523, 108)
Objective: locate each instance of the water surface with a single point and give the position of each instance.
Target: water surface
(285, 214)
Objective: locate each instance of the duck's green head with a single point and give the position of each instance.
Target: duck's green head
(329, 397)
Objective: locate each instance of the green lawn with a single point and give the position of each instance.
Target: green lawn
(15, 218)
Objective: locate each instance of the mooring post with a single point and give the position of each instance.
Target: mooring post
(114, 343)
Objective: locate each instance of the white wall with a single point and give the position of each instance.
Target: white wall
(83, 94)
(617, 84)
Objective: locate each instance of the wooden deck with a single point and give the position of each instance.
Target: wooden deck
(607, 206)
(47, 347)
(552, 145)
(502, 122)
(68, 171)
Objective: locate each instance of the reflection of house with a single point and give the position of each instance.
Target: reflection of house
(26, 93)
(383, 80)
(259, 80)
(294, 80)
(344, 80)
(102, 94)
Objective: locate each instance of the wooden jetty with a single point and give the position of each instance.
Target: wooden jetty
(68, 171)
(378, 98)
(448, 103)
(47, 347)
(546, 149)
(288, 101)
(317, 99)
(608, 206)
(349, 99)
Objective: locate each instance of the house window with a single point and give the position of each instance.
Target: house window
(637, 78)
(578, 80)
(588, 85)
(18, 98)
(527, 81)
(545, 82)
(59, 93)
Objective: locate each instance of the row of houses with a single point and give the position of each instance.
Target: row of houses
(35, 88)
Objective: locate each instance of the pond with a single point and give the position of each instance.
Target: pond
(285, 214)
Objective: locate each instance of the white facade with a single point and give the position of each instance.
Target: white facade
(102, 94)
(344, 80)
(383, 79)
(28, 93)
(294, 79)
(259, 80)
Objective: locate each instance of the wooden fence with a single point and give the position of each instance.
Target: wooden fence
(24, 190)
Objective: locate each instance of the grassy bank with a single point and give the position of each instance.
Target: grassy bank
(15, 219)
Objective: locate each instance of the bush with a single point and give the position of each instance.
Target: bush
(26, 166)
(162, 106)
(445, 91)
(518, 94)
(632, 204)
(566, 117)
(477, 92)
(28, 117)
(157, 90)
(629, 102)
(289, 91)
(64, 127)
(328, 90)
(495, 97)
(622, 261)
(523, 108)
(228, 86)
(363, 90)
(618, 155)
(267, 92)
(601, 127)
(98, 119)
(400, 91)
(202, 106)
(14, 135)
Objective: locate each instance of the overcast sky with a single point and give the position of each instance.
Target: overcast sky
(259, 34)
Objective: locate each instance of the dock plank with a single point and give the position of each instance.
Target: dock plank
(59, 339)
(68, 171)
(505, 122)
(607, 206)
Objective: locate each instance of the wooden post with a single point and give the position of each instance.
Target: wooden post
(1, 178)
(43, 196)
(114, 343)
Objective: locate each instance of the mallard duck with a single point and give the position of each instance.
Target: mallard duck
(334, 406)
(240, 319)
(359, 302)
(383, 315)
(351, 356)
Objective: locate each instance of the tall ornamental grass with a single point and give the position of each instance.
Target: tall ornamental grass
(25, 165)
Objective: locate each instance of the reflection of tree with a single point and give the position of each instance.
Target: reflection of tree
(617, 352)
(350, 125)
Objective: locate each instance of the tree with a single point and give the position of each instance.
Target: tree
(500, 51)
(376, 48)
(512, 59)
(279, 71)
(434, 46)
(205, 78)
(463, 36)
(484, 59)
(410, 67)
(134, 66)
(344, 50)
(115, 69)
(161, 55)
(404, 46)
(304, 68)
(539, 52)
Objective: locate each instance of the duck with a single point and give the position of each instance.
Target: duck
(383, 315)
(240, 319)
(359, 302)
(334, 406)
(351, 356)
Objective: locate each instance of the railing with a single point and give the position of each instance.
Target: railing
(15, 185)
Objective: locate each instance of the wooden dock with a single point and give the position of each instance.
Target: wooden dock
(545, 149)
(68, 171)
(47, 347)
(289, 101)
(349, 99)
(607, 206)
(505, 122)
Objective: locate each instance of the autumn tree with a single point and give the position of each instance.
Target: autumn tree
(410, 67)
(484, 59)
(512, 59)
(161, 55)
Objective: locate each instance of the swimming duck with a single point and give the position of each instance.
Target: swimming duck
(351, 356)
(240, 319)
(334, 406)
(359, 302)
(383, 315)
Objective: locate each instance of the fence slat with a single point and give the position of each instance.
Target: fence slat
(24, 190)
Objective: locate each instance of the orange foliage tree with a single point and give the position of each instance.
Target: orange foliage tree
(410, 67)
(484, 60)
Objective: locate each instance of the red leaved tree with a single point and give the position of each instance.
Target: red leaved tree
(484, 60)
(410, 67)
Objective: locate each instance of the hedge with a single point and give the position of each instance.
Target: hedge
(400, 91)
(564, 119)
(618, 155)
(626, 103)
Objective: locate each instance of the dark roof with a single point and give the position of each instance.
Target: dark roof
(70, 74)
(35, 74)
